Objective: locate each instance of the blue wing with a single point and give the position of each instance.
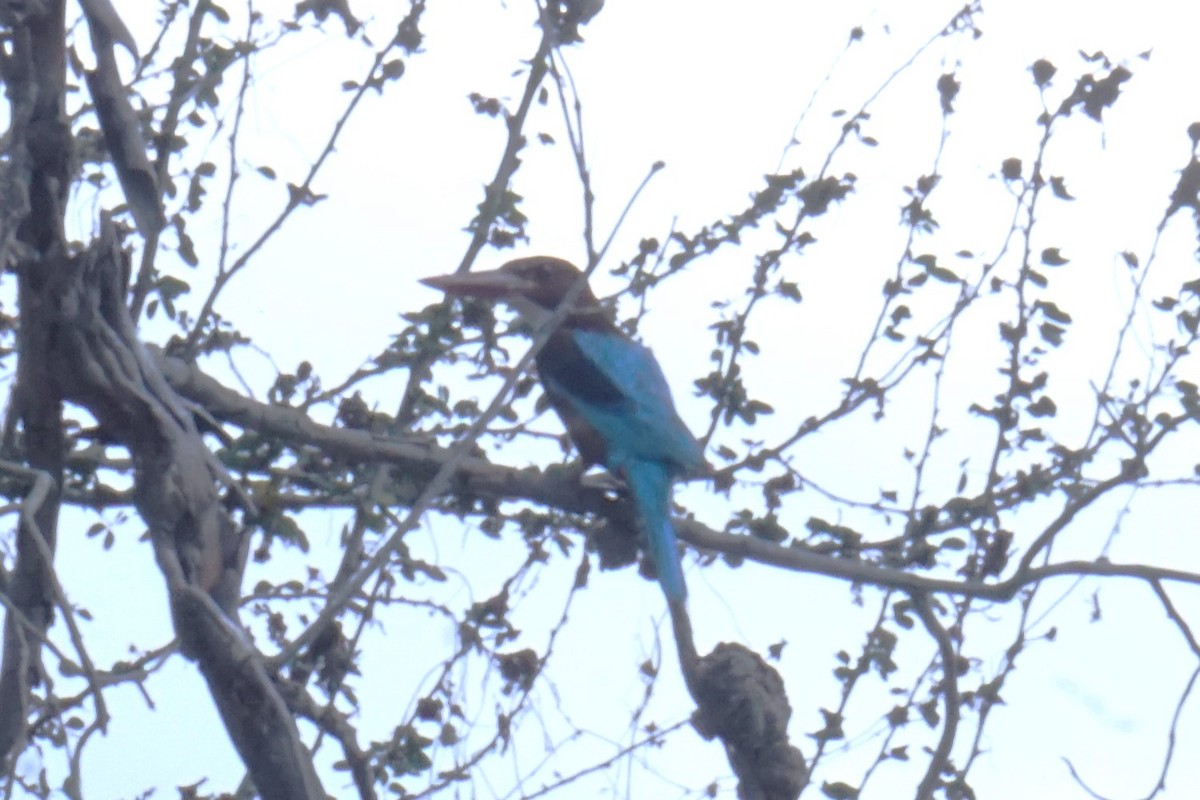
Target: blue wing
(642, 424)
(615, 400)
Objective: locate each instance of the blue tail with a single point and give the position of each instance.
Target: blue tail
(650, 484)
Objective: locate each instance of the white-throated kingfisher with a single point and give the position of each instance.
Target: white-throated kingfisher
(608, 389)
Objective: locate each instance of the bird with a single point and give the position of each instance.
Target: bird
(608, 390)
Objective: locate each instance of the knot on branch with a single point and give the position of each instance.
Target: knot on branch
(742, 701)
(96, 359)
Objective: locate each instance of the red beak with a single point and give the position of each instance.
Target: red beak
(494, 284)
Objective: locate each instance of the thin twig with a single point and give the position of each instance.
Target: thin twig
(43, 485)
(436, 486)
(305, 188)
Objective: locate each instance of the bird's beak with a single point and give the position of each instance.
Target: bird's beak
(491, 285)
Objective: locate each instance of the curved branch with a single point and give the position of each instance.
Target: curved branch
(98, 362)
(555, 488)
(939, 763)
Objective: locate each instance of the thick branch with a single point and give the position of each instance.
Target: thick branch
(35, 83)
(97, 361)
(559, 489)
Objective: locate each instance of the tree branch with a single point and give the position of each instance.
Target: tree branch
(476, 476)
(98, 362)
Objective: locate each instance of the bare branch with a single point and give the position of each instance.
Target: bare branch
(939, 762)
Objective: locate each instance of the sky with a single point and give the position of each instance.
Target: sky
(717, 93)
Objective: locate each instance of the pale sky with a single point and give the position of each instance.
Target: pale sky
(714, 90)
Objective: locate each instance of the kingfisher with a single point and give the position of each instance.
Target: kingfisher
(608, 390)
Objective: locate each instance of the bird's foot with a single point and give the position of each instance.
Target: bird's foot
(604, 482)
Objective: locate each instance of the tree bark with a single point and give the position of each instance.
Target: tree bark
(97, 361)
(34, 192)
(78, 344)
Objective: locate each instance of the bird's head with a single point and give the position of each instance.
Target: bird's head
(534, 286)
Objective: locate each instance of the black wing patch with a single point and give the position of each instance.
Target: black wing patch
(563, 362)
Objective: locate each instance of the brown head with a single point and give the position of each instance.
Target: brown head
(534, 286)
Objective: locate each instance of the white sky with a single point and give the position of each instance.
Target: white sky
(714, 90)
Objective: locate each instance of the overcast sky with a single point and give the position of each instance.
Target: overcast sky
(715, 90)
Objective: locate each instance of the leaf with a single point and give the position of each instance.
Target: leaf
(323, 8)
(929, 711)
(948, 88)
(1104, 92)
(833, 727)
(1051, 333)
(171, 287)
(302, 195)
(839, 791)
(1059, 187)
(488, 106)
(1010, 169)
(1044, 407)
(1042, 71)
(1052, 258)
(392, 70)
(187, 250)
(1052, 311)
(944, 275)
